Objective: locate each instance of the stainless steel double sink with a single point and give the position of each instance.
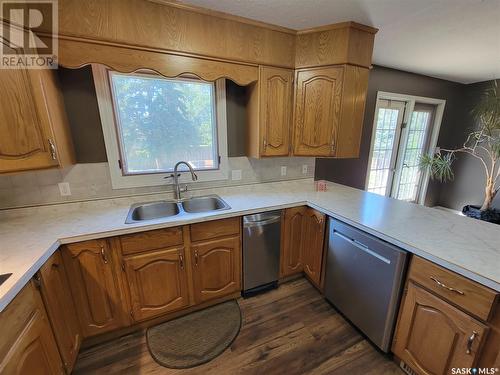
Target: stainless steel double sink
(156, 210)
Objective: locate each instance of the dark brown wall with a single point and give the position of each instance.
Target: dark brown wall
(236, 101)
(352, 172)
(80, 102)
(468, 185)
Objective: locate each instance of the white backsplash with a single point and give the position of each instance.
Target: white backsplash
(92, 181)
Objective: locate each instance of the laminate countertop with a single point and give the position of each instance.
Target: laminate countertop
(29, 236)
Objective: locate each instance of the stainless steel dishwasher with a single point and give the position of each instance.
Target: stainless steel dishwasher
(261, 251)
(363, 279)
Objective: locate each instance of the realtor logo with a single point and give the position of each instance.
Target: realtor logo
(22, 25)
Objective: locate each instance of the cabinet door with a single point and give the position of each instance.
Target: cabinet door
(276, 91)
(291, 245)
(216, 268)
(432, 336)
(157, 282)
(312, 244)
(60, 309)
(95, 288)
(317, 111)
(26, 139)
(34, 350)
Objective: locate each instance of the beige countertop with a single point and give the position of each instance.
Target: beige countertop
(29, 236)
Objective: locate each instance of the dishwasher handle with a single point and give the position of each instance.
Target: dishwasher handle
(259, 223)
(363, 247)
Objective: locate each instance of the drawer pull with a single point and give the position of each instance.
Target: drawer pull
(470, 341)
(103, 255)
(444, 286)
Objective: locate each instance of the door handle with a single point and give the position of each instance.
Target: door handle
(103, 255)
(470, 341)
(196, 258)
(181, 260)
(52, 149)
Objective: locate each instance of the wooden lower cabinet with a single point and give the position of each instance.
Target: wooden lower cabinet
(60, 309)
(27, 345)
(302, 243)
(313, 234)
(93, 277)
(216, 266)
(291, 261)
(433, 336)
(157, 282)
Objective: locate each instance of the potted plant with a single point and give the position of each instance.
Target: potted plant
(482, 143)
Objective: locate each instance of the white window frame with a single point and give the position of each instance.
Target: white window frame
(410, 105)
(111, 140)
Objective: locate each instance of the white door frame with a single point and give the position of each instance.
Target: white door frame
(436, 126)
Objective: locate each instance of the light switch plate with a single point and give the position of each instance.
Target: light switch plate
(304, 169)
(236, 174)
(283, 171)
(64, 189)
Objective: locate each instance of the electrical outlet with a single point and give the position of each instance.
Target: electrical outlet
(283, 171)
(64, 189)
(304, 169)
(236, 174)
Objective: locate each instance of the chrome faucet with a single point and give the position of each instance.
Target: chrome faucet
(176, 175)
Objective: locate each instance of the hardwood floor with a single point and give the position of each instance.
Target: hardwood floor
(291, 330)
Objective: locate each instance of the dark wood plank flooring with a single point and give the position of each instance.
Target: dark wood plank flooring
(291, 330)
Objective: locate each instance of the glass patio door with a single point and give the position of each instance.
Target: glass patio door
(415, 141)
(389, 116)
(399, 140)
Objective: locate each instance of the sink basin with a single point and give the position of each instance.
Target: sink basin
(150, 211)
(204, 204)
(156, 210)
(4, 277)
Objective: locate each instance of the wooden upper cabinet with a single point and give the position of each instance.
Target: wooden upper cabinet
(313, 233)
(34, 133)
(291, 244)
(27, 345)
(276, 95)
(329, 111)
(93, 278)
(317, 111)
(60, 309)
(432, 336)
(269, 111)
(157, 282)
(216, 266)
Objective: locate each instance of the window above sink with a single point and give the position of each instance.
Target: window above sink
(150, 122)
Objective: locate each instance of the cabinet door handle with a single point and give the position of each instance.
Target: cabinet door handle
(103, 255)
(52, 149)
(181, 260)
(196, 258)
(470, 341)
(264, 144)
(333, 146)
(444, 286)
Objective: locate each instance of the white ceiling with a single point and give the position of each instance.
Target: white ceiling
(457, 40)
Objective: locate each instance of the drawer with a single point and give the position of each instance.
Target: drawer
(214, 229)
(467, 294)
(151, 240)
